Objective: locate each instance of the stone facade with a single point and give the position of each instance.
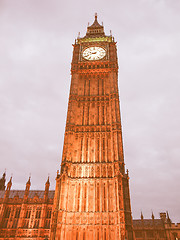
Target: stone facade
(92, 193)
(92, 198)
(25, 214)
(156, 229)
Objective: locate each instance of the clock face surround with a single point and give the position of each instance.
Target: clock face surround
(94, 53)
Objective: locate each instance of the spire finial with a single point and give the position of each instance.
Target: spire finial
(47, 182)
(4, 174)
(152, 215)
(29, 180)
(8, 187)
(95, 16)
(2, 181)
(168, 218)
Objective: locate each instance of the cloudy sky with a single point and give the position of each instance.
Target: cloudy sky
(36, 40)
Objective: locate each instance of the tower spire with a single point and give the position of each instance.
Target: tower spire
(47, 184)
(8, 188)
(28, 185)
(9, 184)
(152, 215)
(95, 16)
(96, 29)
(2, 181)
(168, 218)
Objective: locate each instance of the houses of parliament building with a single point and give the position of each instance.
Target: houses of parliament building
(91, 200)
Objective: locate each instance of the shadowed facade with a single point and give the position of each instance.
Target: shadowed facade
(25, 214)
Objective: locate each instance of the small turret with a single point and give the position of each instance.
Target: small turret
(28, 184)
(58, 174)
(142, 217)
(2, 181)
(47, 185)
(46, 189)
(152, 216)
(168, 219)
(163, 217)
(95, 30)
(8, 188)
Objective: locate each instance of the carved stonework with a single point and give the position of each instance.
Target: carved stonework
(92, 193)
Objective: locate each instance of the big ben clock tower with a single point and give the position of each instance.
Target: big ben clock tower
(92, 200)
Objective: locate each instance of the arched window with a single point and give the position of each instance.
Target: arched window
(4, 224)
(77, 235)
(7, 212)
(47, 224)
(15, 222)
(36, 224)
(98, 197)
(98, 234)
(84, 236)
(17, 214)
(105, 234)
(110, 171)
(98, 171)
(38, 213)
(28, 213)
(48, 214)
(26, 223)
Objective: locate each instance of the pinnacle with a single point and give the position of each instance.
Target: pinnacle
(95, 23)
(29, 180)
(47, 182)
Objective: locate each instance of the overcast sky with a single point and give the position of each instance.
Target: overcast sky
(36, 38)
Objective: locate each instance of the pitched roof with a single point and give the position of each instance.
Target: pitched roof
(95, 30)
(32, 193)
(147, 222)
(95, 24)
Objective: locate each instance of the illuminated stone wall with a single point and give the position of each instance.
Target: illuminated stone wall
(92, 193)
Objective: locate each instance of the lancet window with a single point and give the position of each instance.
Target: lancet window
(38, 213)
(17, 214)
(15, 222)
(28, 213)
(98, 197)
(48, 214)
(36, 224)
(7, 212)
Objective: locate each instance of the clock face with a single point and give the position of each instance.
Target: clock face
(94, 53)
